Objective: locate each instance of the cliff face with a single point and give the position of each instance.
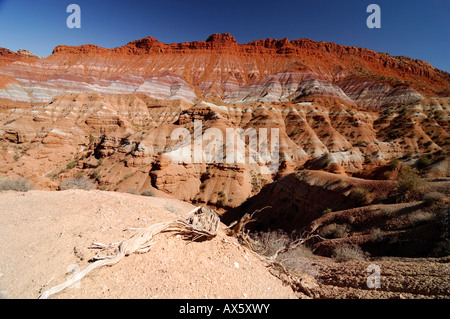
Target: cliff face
(221, 68)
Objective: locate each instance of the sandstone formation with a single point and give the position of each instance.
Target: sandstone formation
(265, 70)
(109, 114)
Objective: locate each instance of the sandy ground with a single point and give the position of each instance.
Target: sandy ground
(46, 236)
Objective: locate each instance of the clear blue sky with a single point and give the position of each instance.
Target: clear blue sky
(416, 28)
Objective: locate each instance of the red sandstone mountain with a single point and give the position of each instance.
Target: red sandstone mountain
(265, 70)
(109, 113)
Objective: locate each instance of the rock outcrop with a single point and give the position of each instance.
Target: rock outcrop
(264, 71)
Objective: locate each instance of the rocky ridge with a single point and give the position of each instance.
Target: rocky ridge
(265, 70)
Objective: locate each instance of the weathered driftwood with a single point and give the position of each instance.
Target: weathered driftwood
(203, 222)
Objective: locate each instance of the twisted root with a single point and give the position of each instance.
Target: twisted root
(204, 222)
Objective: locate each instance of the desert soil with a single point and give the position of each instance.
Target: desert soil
(46, 234)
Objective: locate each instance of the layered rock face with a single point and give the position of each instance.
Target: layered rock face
(260, 71)
(111, 114)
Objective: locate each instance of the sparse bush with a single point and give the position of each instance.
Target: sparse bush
(222, 199)
(205, 176)
(360, 196)
(19, 185)
(303, 174)
(420, 217)
(423, 162)
(132, 191)
(326, 160)
(387, 175)
(407, 156)
(293, 132)
(80, 174)
(72, 164)
(393, 164)
(256, 184)
(299, 258)
(9, 122)
(268, 243)
(335, 230)
(77, 183)
(434, 198)
(348, 253)
(388, 210)
(148, 192)
(367, 159)
(361, 143)
(128, 176)
(95, 174)
(351, 219)
(427, 144)
(377, 235)
(408, 184)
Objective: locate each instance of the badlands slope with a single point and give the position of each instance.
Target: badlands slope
(121, 142)
(109, 113)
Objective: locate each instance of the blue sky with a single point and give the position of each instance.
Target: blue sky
(416, 28)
